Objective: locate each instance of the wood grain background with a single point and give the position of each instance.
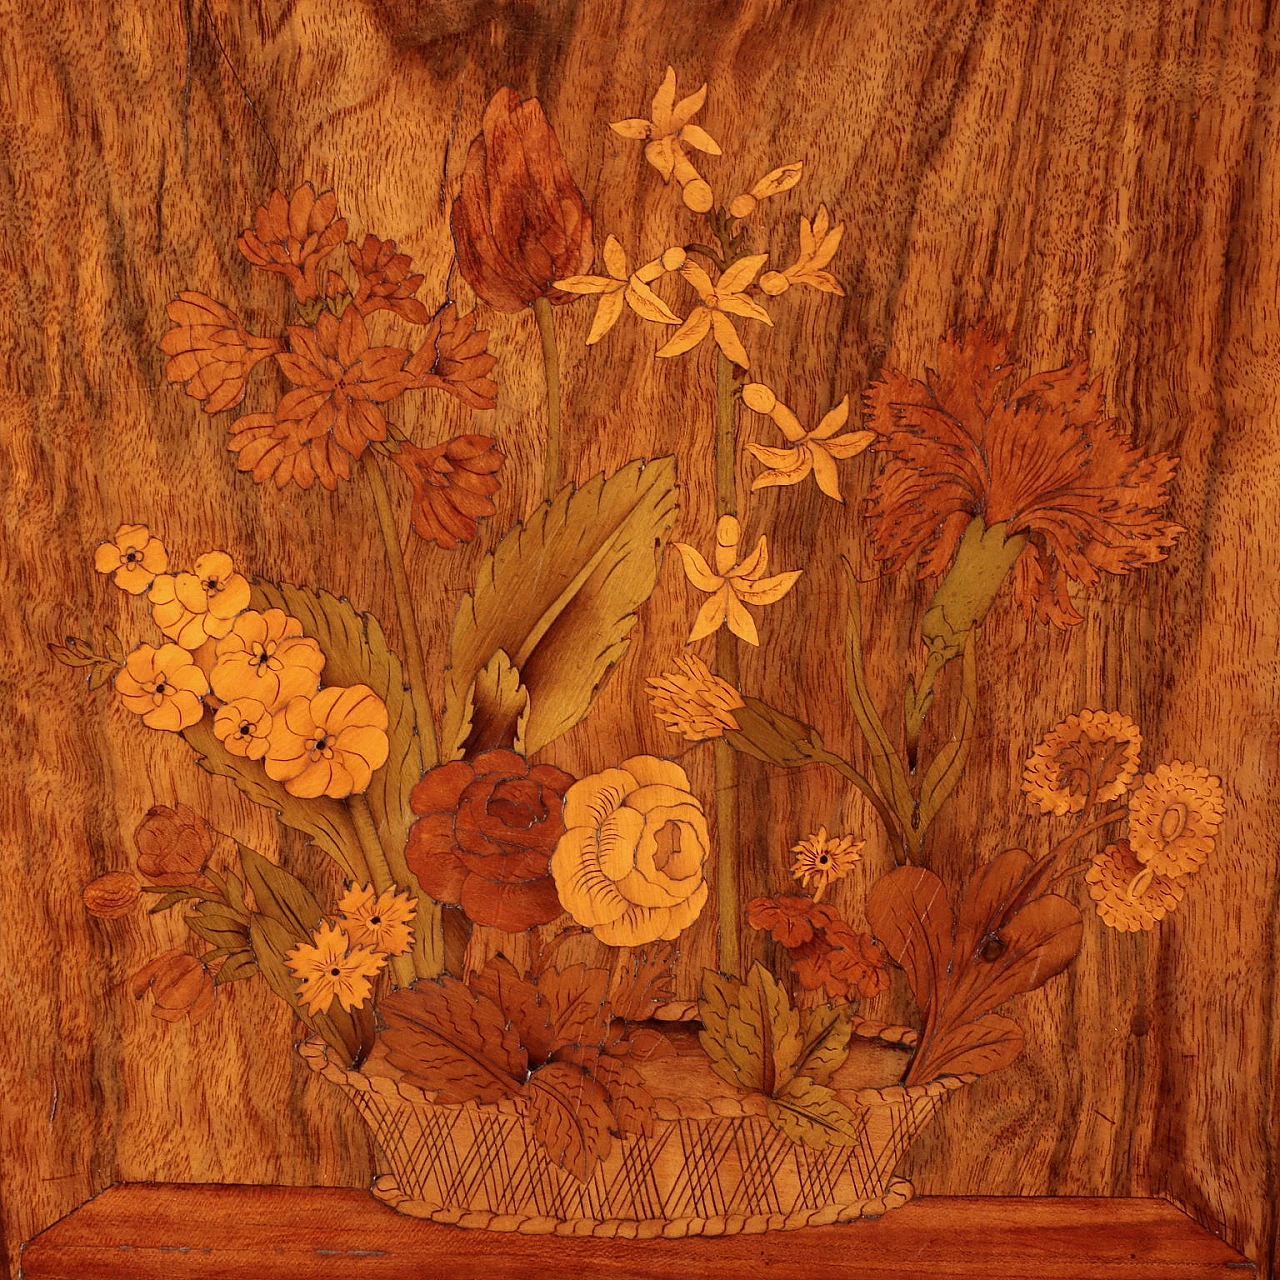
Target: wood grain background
(1097, 176)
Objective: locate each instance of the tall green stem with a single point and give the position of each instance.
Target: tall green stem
(379, 873)
(551, 366)
(728, 888)
(413, 656)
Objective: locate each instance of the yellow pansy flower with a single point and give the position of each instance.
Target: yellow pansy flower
(666, 135)
(191, 608)
(133, 558)
(330, 968)
(720, 300)
(819, 241)
(618, 288)
(815, 450)
(629, 865)
(243, 727)
(163, 686)
(735, 585)
(265, 656)
(328, 745)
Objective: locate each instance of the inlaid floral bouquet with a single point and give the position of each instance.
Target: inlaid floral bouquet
(463, 859)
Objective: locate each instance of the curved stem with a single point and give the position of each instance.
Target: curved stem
(1112, 815)
(551, 366)
(728, 888)
(379, 873)
(413, 656)
(848, 772)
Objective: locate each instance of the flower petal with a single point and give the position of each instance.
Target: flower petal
(688, 335)
(711, 616)
(586, 284)
(824, 471)
(698, 137)
(614, 258)
(736, 277)
(727, 339)
(697, 277)
(608, 310)
(767, 590)
(741, 623)
(635, 129)
(832, 421)
(664, 102)
(645, 303)
(697, 570)
(738, 304)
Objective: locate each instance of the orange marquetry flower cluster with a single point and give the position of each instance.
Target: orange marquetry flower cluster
(343, 956)
(254, 670)
(343, 375)
(1173, 815)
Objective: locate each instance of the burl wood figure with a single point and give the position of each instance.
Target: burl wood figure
(665, 632)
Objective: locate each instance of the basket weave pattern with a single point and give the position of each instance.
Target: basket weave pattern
(709, 1168)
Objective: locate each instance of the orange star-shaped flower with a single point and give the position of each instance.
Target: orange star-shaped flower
(737, 583)
(811, 451)
(666, 135)
(719, 301)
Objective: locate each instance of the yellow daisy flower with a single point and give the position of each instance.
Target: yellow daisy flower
(821, 860)
(133, 558)
(330, 968)
(735, 585)
(379, 921)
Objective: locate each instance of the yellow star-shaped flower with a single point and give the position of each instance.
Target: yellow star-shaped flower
(665, 135)
(619, 288)
(718, 302)
(819, 241)
(811, 451)
(736, 584)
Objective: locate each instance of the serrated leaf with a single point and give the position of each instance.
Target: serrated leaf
(498, 708)
(646, 982)
(811, 1113)
(521, 1003)
(826, 1033)
(326, 823)
(750, 1031)
(280, 895)
(449, 1039)
(559, 596)
(989, 1043)
(350, 1033)
(570, 1115)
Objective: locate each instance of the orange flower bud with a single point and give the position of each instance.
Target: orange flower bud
(173, 845)
(111, 896)
(180, 983)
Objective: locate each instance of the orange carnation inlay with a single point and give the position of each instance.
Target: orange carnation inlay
(1130, 897)
(1173, 818)
(1039, 459)
(452, 486)
(1089, 758)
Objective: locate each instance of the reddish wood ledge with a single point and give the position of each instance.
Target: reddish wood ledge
(214, 1232)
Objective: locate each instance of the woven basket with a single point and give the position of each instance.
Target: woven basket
(714, 1164)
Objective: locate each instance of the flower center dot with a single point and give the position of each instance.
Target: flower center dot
(335, 973)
